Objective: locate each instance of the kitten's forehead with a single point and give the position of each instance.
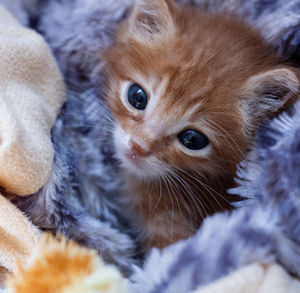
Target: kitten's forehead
(165, 114)
(163, 99)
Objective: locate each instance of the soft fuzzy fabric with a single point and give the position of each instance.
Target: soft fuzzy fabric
(265, 230)
(58, 266)
(81, 198)
(26, 12)
(255, 278)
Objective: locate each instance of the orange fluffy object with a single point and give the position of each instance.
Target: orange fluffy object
(62, 266)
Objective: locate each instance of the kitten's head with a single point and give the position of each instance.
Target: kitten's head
(187, 90)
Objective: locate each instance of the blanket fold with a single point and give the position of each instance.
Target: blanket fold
(31, 95)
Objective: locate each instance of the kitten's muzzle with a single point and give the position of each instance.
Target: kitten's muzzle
(137, 150)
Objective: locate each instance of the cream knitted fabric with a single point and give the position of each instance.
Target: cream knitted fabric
(31, 95)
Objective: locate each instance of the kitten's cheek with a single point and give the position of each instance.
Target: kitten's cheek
(121, 140)
(121, 149)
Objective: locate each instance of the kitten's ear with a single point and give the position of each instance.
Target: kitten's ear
(150, 18)
(269, 91)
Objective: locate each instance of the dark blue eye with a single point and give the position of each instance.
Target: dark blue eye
(137, 97)
(193, 139)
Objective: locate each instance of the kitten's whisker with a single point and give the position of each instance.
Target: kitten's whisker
(207, 187)
(160, 194)
(213, 196)
(191, 194)
(174, 194)
(184, 192)
(230, 137)
(201, 192)
(194, 218)
(149, 202)
(225, 114)
(181, 191)
(225, 138)
(172, 218)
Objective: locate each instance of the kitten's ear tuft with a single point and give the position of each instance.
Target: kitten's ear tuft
(269, 91)
(150, 18)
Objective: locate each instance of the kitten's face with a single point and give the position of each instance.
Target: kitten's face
(158, 129)
(155, 132)
(185, 90)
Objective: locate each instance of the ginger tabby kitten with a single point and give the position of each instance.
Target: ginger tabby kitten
(187, 91)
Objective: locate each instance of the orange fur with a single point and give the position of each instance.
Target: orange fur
(61, 266)
(57, 265)
(208, 64)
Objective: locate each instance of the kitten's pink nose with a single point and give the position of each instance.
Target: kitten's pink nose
(138, 150)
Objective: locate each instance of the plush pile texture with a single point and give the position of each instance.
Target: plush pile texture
(81, 197)
(237, 252)
(82, 193)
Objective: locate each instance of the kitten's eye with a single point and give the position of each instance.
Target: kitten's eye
(137, 97)
(193, 140)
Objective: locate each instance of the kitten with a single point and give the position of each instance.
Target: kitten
(187, 91)
(82, 198)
